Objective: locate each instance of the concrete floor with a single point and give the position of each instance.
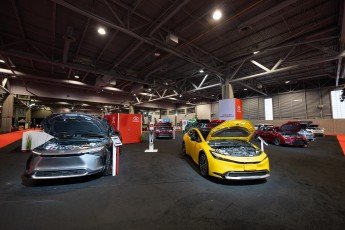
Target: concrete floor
(164, 190)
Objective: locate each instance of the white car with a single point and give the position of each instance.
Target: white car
(316, 130)
(258, 126)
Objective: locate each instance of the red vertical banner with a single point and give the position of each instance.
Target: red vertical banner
(238, 108)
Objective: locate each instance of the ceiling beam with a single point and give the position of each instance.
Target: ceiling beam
(27, 56)
(281, 70)
(175, 52)
(265, 14)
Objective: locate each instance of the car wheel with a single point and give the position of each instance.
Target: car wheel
(203, 164)
(108, 168)
(184, 153)
(277, 141)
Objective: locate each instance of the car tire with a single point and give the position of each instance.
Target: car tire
(277, 141)
(108, 168)
(203, 164)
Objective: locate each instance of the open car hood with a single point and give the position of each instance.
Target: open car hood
(290, 127)
(69, 125)
(232, 130)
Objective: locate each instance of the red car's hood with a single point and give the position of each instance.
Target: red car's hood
(290, 127)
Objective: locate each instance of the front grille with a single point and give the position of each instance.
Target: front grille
(298, 142)
(60, 173)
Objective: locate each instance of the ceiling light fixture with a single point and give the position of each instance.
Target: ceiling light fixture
(76, 76)
(287, 82)
(157, 54)
(101, 31)
(217, 14)
(245, 89)
(201, 71)
(256, 52)
(2, 61)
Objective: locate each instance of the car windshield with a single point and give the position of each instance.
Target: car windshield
(66, 126)
(164, 125)
(232, 132)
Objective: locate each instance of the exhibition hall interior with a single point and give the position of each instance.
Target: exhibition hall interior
(172, 114)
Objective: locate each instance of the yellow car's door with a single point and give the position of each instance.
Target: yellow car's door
(196, 146)
(189, 143)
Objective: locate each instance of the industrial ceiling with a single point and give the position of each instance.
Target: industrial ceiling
(169, 51)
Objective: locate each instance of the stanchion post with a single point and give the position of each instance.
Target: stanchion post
(116, 155)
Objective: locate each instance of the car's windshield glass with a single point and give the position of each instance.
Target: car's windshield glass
(163, 125)
(232, 132)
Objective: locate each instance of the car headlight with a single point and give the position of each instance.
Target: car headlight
(35, 152)
(91, 150)
(258, 152)
(219, 151)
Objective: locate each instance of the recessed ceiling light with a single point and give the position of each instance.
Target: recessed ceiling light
(76, 76)
(217, 14)
(101, 31)
(157, 54)
(2, 61)
(287, 82)
(256, 52)
(201, 71)
(245, 89)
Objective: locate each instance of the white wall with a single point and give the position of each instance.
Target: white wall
(203, 111)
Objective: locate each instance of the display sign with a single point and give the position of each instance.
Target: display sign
(230, 109)
(116, 141)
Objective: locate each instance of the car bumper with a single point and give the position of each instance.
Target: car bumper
(295, 142)
(239, 171)
(48, 167)
(168, 135)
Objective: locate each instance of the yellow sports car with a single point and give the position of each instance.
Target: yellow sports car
(225, 151)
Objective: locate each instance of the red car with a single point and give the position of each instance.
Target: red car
(163, 129)
(286, 134)
(214, 123)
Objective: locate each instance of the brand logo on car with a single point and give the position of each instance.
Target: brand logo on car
(136, 119)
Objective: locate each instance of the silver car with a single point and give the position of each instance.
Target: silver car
(307, 134)
(81, 146)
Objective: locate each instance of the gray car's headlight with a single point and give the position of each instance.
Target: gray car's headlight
(91, 150)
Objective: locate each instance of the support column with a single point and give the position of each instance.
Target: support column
(227, 91)
(28, 117)
(131, 109)
(7, 113)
